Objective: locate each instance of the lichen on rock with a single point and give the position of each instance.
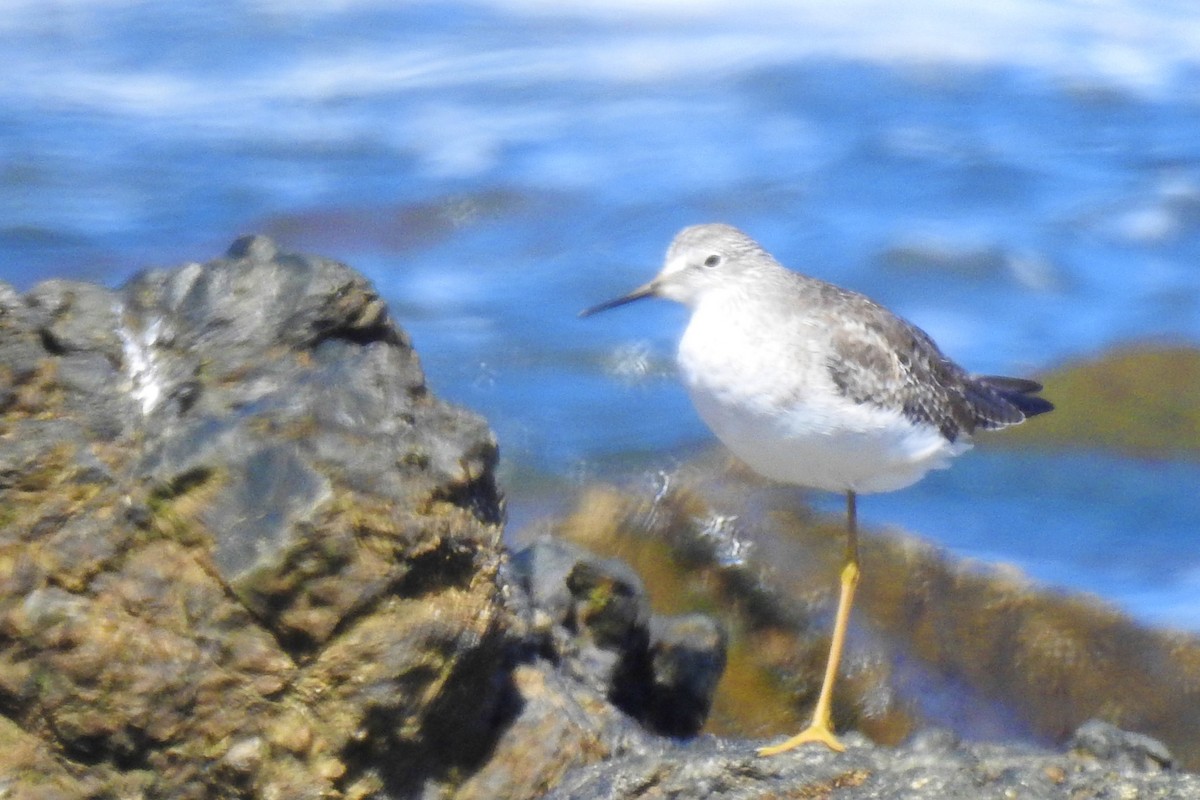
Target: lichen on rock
(222, 569)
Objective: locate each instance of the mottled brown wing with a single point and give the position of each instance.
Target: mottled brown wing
(891, 363)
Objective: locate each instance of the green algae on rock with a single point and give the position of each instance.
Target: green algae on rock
(1141, 399)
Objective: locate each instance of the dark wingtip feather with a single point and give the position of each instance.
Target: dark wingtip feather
(1019, 392)
(1030, 405)
(1006, 385)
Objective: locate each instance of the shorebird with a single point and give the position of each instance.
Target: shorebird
(818, 386)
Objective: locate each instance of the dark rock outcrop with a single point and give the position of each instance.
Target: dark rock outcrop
(243, 551)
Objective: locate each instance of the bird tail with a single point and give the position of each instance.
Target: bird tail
(1000, 401)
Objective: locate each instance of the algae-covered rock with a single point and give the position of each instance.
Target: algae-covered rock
(1141, 399)
(934, 642)
(243, 550)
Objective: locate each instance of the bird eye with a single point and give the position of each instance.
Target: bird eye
(712, 260)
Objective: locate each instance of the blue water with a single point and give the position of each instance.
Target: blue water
(1022, 180)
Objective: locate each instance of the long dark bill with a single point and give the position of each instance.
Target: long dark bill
(646, 290)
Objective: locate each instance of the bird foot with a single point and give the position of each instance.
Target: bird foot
(813, 733)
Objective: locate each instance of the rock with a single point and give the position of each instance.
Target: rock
(557, 724)
(947, 770)
(243, 550)
(596, 623)
(609, 603)
(1132, 751)
(75, 317)
(687, 658)
(1158, 379)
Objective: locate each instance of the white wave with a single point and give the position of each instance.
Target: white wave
(1135, 45)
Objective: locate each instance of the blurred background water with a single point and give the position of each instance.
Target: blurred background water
(1019, 178)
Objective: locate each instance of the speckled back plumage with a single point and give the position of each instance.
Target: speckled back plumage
(892, 363)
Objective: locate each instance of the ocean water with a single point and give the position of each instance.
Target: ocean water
(1021, 179)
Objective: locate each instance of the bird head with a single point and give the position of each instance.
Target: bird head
(701, 259)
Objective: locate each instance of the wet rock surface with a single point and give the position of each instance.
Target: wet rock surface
(245, 553)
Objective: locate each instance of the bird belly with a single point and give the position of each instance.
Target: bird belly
(771, 400)
(831, 443)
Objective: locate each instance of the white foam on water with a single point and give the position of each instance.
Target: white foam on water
(1134, 45)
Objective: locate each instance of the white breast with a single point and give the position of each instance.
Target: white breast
(771, 400)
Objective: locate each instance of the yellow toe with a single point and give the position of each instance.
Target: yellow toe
(813, 733)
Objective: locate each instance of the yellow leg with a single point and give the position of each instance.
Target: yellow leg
(821, 727)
